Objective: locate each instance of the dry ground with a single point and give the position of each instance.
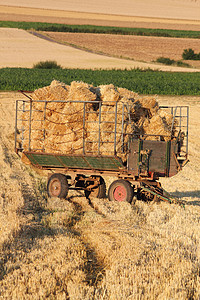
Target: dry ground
(125, 17)
(139, 48)
(72, 249)
(22, 49)
(117, 10)
(14, 46)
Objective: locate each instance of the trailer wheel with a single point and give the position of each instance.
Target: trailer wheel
(57, 186)
(98, 192)
(120, 190)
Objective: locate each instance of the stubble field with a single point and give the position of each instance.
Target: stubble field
(75, 249)
(139, 48)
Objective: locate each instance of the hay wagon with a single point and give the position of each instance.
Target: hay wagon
(135, 161)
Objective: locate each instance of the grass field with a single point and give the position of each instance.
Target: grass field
(141, 81)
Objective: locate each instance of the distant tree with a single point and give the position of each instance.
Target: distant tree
(188, 54)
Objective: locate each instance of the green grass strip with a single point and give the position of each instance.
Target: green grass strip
(140, 81)
(39, 26)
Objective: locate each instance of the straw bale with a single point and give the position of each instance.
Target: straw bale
(150, 104)
(92, 136)
(108, 93)
(57, 83)
(41, 93)
(127, 94)
(55, 91)
(63, 127)
(107, 120)
(157, 126)
(58, 93)
(64, 121)
(92, 116)
(167, 117)
(80, 91)
(73, 114)
(109, 126)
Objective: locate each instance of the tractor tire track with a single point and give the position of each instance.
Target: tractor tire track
(93, 266)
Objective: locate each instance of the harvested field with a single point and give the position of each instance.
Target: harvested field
(36, 15)
(18, 43)
(172, 11)
(98, 250)
(139, 48)
(48, 13)
(75, 249)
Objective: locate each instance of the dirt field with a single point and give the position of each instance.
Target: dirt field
(171, 9)
(70, 249)
(139, 48)
(126, 18)
(17, 44)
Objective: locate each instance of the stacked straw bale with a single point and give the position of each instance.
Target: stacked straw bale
(61, 127)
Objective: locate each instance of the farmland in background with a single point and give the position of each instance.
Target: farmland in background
(55, 27)
(142, 44)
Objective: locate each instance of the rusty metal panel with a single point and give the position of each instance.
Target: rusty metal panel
(155, 159)
(133, 156)
(75, 162)
(173, 169)
(153, 156)
(157, 156)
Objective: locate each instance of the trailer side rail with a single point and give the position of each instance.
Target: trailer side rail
(36, 120)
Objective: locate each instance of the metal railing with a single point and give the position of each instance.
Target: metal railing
(30, 113)
(181, 123)
(36, 123)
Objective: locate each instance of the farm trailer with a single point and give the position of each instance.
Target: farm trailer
(148, 157)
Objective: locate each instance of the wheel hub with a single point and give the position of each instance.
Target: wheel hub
(120, 193)
(55, 188)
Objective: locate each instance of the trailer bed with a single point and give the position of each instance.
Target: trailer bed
(48, 161)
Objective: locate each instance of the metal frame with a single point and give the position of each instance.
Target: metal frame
(28, 107)
(180, 115)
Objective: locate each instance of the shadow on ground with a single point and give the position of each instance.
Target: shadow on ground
(189, 194)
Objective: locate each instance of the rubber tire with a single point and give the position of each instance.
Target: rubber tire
(99, 192)
(57, 186)
(122, 185)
